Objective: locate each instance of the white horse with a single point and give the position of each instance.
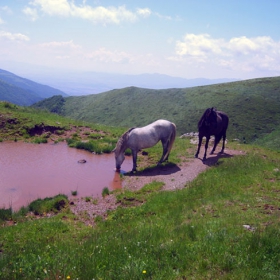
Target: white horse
(145, 137)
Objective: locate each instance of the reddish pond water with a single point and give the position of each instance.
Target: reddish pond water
(31, 171)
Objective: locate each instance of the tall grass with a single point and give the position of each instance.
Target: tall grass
(96, 146)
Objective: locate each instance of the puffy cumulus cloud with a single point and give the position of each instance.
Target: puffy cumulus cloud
(13, 36)
(244, 45)
(198, 45)
(98, 14)
(53, 7)
(105, 15)
(237, 53)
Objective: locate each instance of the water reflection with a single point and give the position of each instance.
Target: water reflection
(31, 171)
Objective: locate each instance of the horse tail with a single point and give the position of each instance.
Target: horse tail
(171, 140)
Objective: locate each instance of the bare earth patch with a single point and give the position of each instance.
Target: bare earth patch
(173, 177)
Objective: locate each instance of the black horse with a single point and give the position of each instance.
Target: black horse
(214, 123)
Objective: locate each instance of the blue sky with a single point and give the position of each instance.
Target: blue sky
(190, 39)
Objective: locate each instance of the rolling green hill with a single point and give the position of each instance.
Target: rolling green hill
(22, 91)
(252, 106)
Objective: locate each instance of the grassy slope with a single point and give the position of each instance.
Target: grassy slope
(194, 233)
(33, 125)
(252, 105)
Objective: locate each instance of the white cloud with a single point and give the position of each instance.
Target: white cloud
(64, 50)
(6, 9)
(164, 17)
(53, 7)
(144, 12)
(32, 13)
(244, 45)
(107, 56)
(60, 45)
(104, 15)
(98, 14)
(241, 53)
(13, 36)
(198, 45)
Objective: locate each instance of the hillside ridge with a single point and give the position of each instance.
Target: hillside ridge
(252, 105)
(24, 92)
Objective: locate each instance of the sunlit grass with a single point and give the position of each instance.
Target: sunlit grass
(223, 225)
(194, 233)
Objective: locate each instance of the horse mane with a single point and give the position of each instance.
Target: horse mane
(205, 116)
(122, 142)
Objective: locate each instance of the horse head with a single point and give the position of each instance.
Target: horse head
(120, 149)
(210, 116)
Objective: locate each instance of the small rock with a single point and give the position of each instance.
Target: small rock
(249, 227)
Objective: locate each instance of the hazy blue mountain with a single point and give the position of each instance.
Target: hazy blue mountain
(16, 95)
(21, 91)
(91, 82)
(84, 83)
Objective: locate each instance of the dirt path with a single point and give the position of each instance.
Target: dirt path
(174, 177)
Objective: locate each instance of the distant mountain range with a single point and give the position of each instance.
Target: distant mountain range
(51, 82)
(21, 91)
(85, 83)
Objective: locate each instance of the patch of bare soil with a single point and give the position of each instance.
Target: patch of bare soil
(88, 211)
(174, 177)
(81, 132)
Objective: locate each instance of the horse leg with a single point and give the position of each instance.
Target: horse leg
(134, 156)
(224, 139)
(206, 147)
(215, 145)
(217, 140)
(198, 146)
(164, 152)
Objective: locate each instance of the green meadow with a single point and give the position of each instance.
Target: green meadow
(225, 224)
